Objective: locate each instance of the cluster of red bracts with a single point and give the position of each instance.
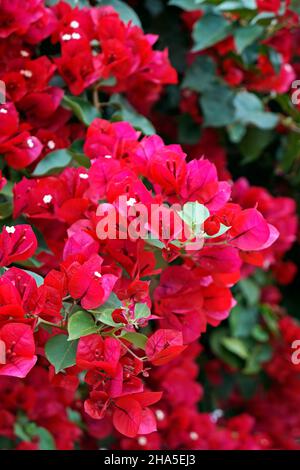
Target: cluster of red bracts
(189, 296)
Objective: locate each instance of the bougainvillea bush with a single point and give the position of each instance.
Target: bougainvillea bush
(148, 244)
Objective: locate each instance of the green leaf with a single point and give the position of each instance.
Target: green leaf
(236, 346)
(137, 339)
(249, 110)
(76, 150)
(216, 343)
(254, 143)
(155, 242)
(188, 5)
(209, 30)
(237, 5)
(242, 320)
(104, 312)
(53, 162)
(201, 75)
(223, 229)
(20, 432)
(141, 311)
(194, 214)
(246, 35)
(81, 324)
(236, 132)
(126, 112)
(250, 290)
(275, 58)
(125, 11)
(46, 440)
(260, 353)
(217, 105)
(82, 108)
(260, 334)
(289, 151)
(60, 352)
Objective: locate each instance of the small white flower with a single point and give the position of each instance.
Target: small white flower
(97, 274)
(131, 201)
(47, 198)
(83, 176)
(76, 36)
(24, 53)
(160, 415)
(74, 24)
(107, 156)
(66, 37)
(10, 229)
(3, 111)
(216, 414)
(51, 144)
(30, 143)
(194, 435)
(142, 440)
(26, 73)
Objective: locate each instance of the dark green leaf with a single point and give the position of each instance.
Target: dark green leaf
(125, 11)
(103, 313)
(242, 320)
(249, 110)
(126, 112)
(141, 311)
(236, 346)
(201, 75)
(209, 30)
(82, 108)
(217, 105)
(137, 339)
(246, 35)
(60, 352)
(81, 324)
(53, 162)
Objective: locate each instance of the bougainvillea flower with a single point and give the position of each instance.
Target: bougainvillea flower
(163, 346)
(94, 352)
(17, 350)
(17, 243)
(250, 231)
(88, 284)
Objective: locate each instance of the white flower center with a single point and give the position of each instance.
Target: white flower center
(10, 229)
(160, 415)
(3, 111)
(51, 144)
(107, 156)
(26, 73)
(24, 53)
(76, 36)
(216, 414)
(47, 198)
(142, 440)
(74, 24)
(83, 176)
(194, 435)
(30, 143)
(97, 274)
(131, 201)
(66, 37)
